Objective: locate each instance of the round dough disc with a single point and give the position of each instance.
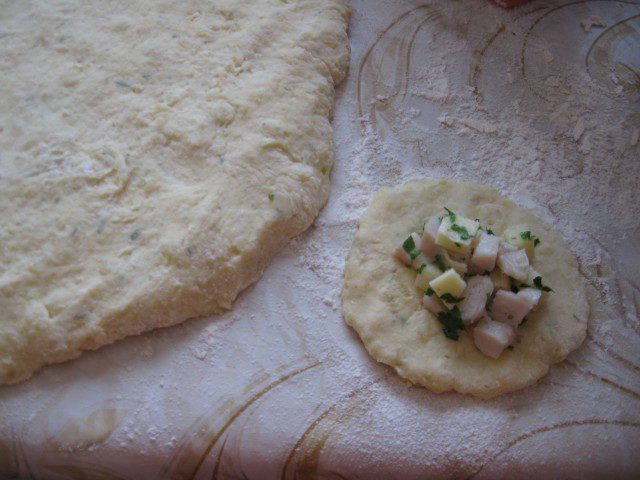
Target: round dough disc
(382, 304)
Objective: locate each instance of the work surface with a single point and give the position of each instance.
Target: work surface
(540, 102)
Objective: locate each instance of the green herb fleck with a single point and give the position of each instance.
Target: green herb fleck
(409, 245)
(422, 267)
(489, 302)
(489, 231)
(439, 262)
(414, 254)
(271, 197)
(452, 322)
(451, 215)
(527, 236)
(430, 291)
(537, 282)
(447, 297)
(462, 231)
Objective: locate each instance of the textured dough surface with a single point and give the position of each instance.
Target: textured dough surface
(153, 156)
(382, 304)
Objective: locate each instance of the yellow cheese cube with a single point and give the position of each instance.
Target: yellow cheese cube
(428, 273)
(521, 237)
(450, 234)
(449, 282)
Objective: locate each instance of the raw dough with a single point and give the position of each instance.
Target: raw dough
(381, 302)
(154, 155)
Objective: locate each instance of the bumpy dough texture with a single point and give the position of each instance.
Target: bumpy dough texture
(139, 144)
(381, 303)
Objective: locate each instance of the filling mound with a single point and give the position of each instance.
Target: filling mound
(474, 280)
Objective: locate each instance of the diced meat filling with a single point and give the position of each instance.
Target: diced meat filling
(515, 264)
(428, 244)
(531, 295)
(468, 276)
(486, 251)
(472, 307)
(492, 338)
(403, 256)
(510, 308)
(433, 303)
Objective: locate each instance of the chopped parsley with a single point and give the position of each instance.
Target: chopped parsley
(451, 215)
(430, 291)
(452, 322)
(489, 302)
(409, 245)
(422, 267)
(447, 297)
(271, 197)
(462, 231)
(537, 282)
(439, 262)
(489, 231)
(415, 253)
(527, 236)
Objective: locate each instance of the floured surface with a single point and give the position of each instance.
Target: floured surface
(281, 385)
(154, 158)
(383, 305)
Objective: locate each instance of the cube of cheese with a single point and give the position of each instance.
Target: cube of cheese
(450, 233)
(428, 273)
(449, 282)
(521, 237)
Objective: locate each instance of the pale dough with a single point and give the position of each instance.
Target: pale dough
(382, 304)
(154, 155)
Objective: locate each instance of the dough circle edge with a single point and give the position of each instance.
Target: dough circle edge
(381, 304)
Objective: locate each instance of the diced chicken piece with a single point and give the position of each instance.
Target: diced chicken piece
(486, 251)
(401, 255)
(531, 295)
(515, 264)
(433, 303)
(429, 236)
(510, 308)
(506, 247)
(492, 338)
(420, 260)
(472, 306)
(458, 266)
